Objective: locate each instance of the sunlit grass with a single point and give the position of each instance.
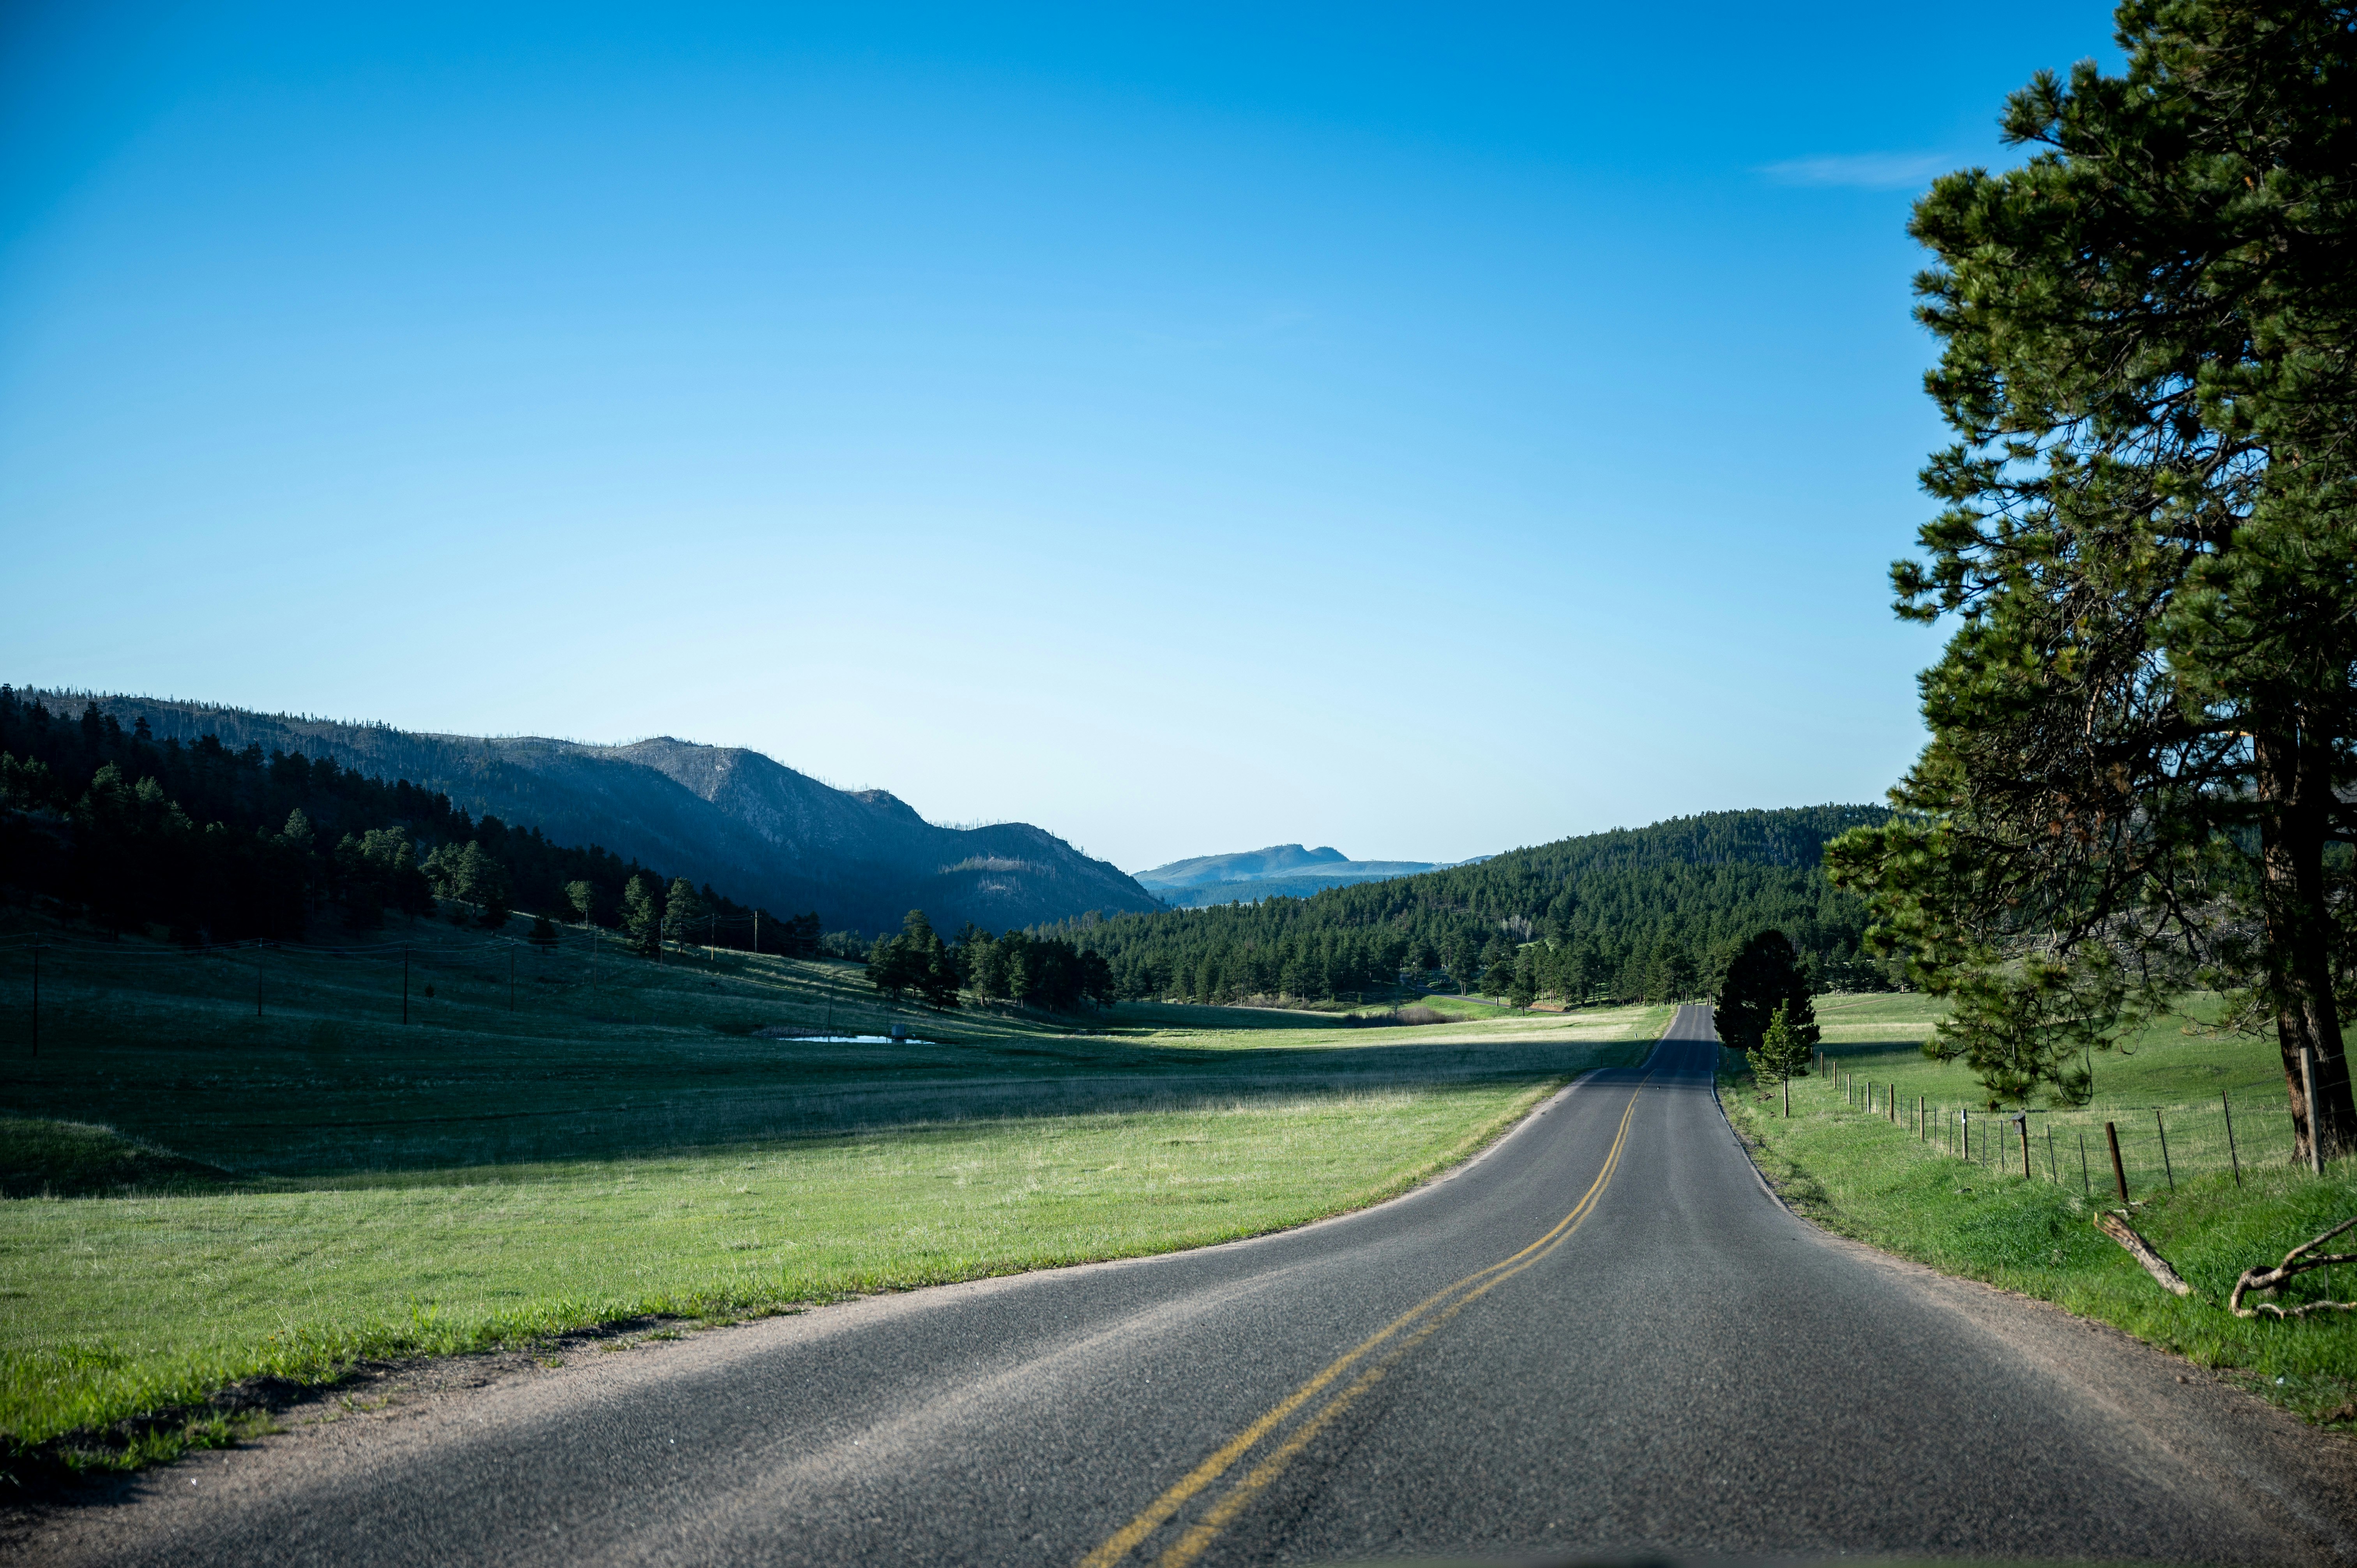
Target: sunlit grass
(200, 1195)
(119, 1304)
(1863, 1175)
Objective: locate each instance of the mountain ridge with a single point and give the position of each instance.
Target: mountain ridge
(748, 825)
(1276, 871)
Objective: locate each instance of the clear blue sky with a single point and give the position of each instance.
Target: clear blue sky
(1422, 430)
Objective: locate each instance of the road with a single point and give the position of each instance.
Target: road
(1604, 1336)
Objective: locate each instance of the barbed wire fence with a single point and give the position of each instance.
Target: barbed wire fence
(2095, 1149)
(55, 984)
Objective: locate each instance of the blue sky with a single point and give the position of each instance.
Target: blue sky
(1422, 430)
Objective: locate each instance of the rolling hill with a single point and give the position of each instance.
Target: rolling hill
(1633, 914)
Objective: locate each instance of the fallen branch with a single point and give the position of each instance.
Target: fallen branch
(2120, 1230)
(2294, 1263)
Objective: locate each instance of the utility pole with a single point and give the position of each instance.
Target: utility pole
(510, 977)
(404, 983)
(757, 933)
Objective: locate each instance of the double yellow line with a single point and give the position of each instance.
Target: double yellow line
(1396, 1339)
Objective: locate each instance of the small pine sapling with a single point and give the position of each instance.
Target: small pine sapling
(1782, 1050)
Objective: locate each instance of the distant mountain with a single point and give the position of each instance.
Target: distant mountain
(757, 831)
(1280, 871)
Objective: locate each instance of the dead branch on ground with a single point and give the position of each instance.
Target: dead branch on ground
(2117, 1228)
(2295, 1263)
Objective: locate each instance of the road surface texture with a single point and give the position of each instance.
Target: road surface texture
(1604, 1338)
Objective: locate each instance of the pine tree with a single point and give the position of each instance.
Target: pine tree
(2144, 741)
(685, 912)
(1765, 976)
(1781, 1052)
(642, 917)
(1523, 988)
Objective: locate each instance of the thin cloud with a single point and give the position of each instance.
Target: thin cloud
(1863, 171)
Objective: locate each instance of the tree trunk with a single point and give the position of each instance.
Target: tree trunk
(2295, 792)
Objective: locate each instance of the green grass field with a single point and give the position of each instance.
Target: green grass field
(199, 1195)
(1859, 1173)
(2170, 1092)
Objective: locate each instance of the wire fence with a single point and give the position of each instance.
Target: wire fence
(2156, 1147)
(53, 990)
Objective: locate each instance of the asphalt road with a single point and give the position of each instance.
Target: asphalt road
(1603, 1338)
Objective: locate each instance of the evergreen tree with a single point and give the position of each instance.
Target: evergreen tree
(642, 917)
(2144, 727)
(1675, 976)
(1460, 956)
(1497, 950)
(916, 959)
(466, 874)
(1523, 988)
(684, 913)
(1765, 976)
(1783, 1052)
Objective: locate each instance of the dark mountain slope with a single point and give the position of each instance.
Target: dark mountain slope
(755, 830)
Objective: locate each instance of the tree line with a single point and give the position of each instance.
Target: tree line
(1037, 971)
(1635, 914)
(216, 844)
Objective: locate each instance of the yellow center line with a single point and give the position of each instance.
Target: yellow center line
(1192, 1544)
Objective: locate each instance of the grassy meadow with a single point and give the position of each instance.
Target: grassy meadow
(2170, 1092)
(199, 1195)
(1860, 1173)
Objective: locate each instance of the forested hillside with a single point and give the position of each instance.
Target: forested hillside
(718, 815)
(222, 844)
(1635, 914)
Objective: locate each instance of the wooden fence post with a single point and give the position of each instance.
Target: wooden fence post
(2163, 1130)
(2119, 1171)
(2225, 1105)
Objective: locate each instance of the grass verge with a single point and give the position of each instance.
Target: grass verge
(1861, 1176)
